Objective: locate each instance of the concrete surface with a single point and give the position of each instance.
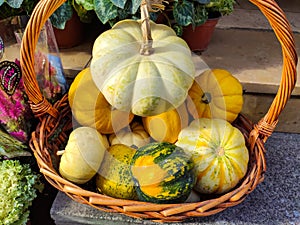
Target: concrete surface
(276, 201)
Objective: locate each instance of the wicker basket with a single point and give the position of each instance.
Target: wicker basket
(55, 124)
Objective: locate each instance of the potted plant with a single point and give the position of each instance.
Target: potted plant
(107, 12)
(69, 23)
(195, 20)
(9, 10)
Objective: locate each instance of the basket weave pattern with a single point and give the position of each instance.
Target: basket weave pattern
(56, 123)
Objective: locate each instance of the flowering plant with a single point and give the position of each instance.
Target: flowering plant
(15, 113)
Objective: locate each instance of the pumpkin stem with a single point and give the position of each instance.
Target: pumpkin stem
(220, 151)
(206, 98)
(146, 47)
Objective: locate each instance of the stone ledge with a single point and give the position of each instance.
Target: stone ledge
(253, 19)
(254, 57)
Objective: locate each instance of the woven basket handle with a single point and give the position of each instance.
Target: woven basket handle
(45, 8)
(284, 34)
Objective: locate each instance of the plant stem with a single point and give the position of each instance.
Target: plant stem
(146, 48)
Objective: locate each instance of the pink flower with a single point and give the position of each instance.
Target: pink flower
(15, 112)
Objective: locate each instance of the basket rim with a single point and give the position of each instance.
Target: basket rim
(255, 134)
(43, 150)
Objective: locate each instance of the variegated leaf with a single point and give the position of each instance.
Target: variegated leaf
(183, 12)
(119, 3)
(14, 3)
(86, 4)
(135, 6)
(200, 15)
(61, 15)
(202, 1)
(105, 10)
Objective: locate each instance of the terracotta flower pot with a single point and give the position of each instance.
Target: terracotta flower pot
(72, 35)
(199, 38)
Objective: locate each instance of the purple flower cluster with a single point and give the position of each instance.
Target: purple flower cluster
(15, 113)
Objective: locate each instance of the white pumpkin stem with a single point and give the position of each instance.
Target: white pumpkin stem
(146, 48)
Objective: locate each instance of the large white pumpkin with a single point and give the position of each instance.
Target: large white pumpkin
(146, 85)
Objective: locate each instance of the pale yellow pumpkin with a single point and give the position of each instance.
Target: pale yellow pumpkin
(90, 108)
(135, 136)
(167, 126)
(83, 155)
(133, 81)
(215, 94)
(219, 153)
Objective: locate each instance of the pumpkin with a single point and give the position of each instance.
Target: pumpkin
(83, 155)
(162, 173)
(135, 137)
(219, 153)
(215, 94)
(90, 108)
(114, 177)
(144, 82)
(166, 126)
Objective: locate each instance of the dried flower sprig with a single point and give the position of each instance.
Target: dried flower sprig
(10, 147)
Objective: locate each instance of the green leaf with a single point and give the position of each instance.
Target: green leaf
(61, 16)
(183, 13)
(1, 2)
(135, 6)
(123, 14)
(18, 188)
(14, 3)
(86, 4)
(225, 7)
(85, 15)
(119, 3)
(202, 1)
(105, 10)
(11, 147)
(178, 29)
(200, 15)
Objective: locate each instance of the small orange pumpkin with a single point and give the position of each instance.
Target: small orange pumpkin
(90, 108)
(215, 94)
(166, 126)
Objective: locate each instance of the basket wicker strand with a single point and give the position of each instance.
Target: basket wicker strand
(56, 121)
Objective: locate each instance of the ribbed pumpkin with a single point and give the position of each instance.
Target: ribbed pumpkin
(114, 176)
(219, 153)
(144, 82)
(215, 94)
(135, 137)
(83, 155)
(166, 126)
(90, 108)
(162, 173)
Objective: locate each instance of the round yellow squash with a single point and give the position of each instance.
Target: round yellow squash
(219, 153)
(90, 108)
(145, 84)
(215, 94)
(167, 126)
(114, 176)
(83, 155)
